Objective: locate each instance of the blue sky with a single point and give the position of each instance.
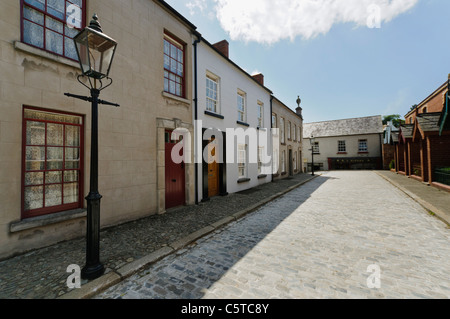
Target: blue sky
(324, 51)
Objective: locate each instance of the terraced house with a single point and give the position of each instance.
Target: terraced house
(45, 136)
(230, 99)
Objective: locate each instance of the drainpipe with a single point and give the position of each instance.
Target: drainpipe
(271, 102)
(196, 113)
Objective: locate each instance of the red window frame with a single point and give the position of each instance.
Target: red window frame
(63, 207)
(45, 13)
(168, 72)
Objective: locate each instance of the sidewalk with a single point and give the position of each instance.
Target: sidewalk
(41, 274)
(432, 199)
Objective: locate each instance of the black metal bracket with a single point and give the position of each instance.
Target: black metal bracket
(89, 99)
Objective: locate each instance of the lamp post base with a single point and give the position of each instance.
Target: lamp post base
(92, 272)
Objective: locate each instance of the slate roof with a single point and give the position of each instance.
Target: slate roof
(355, 126)
(407, 130)
(429, 122)
(394, 137)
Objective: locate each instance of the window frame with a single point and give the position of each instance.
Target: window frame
(63, 207)
(242, 165)
(289, 128)
(44, 26)
(363, 150)
(342, 147)
(283, 161)
(215, 79)
(282, 131)
(260, 119)
(274, 117)
(173, 40)
(243, 95)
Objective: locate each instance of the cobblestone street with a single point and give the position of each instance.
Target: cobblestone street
(318, 241)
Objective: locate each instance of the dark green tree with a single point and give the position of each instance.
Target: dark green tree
(395, 118)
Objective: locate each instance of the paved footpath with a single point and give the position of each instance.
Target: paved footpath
(334, 237)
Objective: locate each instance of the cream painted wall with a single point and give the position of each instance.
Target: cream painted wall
(130, 178)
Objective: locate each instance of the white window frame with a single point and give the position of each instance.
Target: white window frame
(242, 160)
(260, 156)
(282, 133)
(214, 80)
(283, 162)
(260, 114)
(363, 146)
(242, 113)
(342, 147)
(289, 128)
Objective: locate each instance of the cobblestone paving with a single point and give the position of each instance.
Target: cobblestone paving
(42, 273)
(315, 242)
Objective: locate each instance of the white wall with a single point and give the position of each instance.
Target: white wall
(231, 79)
(328, 147)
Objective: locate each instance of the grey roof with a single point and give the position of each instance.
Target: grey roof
(355, 126)
(407, 130)
(429, 122)
(394, 137)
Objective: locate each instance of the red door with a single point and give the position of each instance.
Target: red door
(175, 176)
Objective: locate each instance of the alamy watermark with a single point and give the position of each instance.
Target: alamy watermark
(374, 279)
(251, 146)
(374, 16)
(74, 280)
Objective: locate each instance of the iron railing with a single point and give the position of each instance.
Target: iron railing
(442, 175)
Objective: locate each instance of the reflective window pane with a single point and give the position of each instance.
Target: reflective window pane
(54, 42)
(56, 8)
(34, 197)
(55, 133)
(72, 158)
(54, 158)
(53, 177)
(35, 133)
(70, 176)
(34, 178)
(70, 193)
(33, 34)
(34, 158)
(72, 135)
(53, 195)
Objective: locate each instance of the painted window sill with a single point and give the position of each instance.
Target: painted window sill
(262, 176)
(45, 220)
(243, 180)
(176, 98)
(243, 123)
(44, 54)
(214, 115)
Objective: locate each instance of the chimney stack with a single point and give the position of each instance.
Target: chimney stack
(259, 78)
(222, 47)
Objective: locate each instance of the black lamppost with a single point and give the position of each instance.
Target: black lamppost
(312, 140)
(95, 52)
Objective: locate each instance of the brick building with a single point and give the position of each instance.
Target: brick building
(423, 148)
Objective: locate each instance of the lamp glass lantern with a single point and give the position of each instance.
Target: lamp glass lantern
(95, 51)
(312, 141)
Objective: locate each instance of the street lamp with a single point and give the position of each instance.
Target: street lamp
(312, 140)
(95, 53)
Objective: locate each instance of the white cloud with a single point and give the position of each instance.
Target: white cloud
(196, 4)
(269, 21)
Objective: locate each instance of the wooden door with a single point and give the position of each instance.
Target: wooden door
(175, 176)
(213, 173)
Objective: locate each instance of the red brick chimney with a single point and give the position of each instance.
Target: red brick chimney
(259, 78)
(223, 47)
